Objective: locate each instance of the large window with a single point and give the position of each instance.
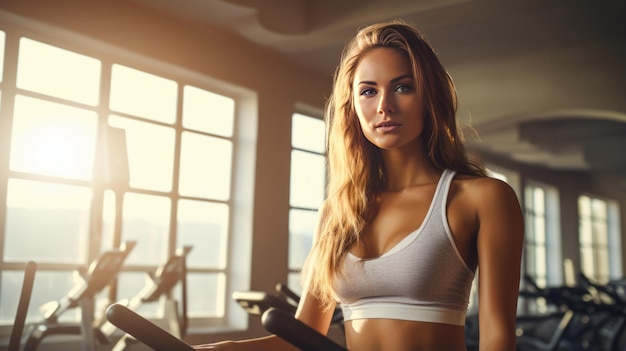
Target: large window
(599, 239)
(542, 237)
(97, 151)
(307, 189)
(542, 253)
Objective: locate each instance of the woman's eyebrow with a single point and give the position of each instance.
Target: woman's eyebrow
(404, 76)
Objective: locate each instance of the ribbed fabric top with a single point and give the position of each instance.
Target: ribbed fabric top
(422, 278)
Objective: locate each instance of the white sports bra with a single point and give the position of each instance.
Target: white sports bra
(423, 278)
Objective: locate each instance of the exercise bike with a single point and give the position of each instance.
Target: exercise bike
(579, 315)
(99, 275)
(277, 317)
(274, 320)
(159, 288)
(257, 302)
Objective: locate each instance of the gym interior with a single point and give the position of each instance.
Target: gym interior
(169, 156)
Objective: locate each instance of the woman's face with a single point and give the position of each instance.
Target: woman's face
(386, 100)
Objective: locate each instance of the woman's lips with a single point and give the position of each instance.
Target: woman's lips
(387, 127)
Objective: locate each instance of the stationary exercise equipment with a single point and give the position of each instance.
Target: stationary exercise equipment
(257, 302)
(277, 311)
(588, 316)
(143, 330)
(287, 327)
(159, 288)
(609, 317)
(276, 321)
(22, 307)
(99, 275)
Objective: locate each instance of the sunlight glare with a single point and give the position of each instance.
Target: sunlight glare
(53, 139)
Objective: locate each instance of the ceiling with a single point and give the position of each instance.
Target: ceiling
(541, 82)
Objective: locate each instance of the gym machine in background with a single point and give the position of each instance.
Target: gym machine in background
(99, 275)
(22, 307)
(158, 288)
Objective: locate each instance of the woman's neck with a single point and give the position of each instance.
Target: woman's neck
(406, 169)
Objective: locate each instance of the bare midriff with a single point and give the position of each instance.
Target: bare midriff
(399, 335)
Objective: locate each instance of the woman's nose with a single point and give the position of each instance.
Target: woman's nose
(385, 104)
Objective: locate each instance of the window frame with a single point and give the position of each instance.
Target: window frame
(239, 246)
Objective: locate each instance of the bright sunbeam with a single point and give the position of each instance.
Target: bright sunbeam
(55, 150)
(52, 139)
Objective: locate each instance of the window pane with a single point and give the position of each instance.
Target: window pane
(10, 287)
(308, 179)
(2, 40)
(599, 209)
(584, 206)
(301, 228)
(208, 112)
(602, 273)
(531, 259)
(539, 201)
(205, 166)
(146, 219)
(536, 246)
(48, 286)
(586, 260)
(142, 94)
(43, 218)
(601, 234)
(53, 139)
(58, 72)
(585, 232)
(594, 238)
(540, 230)
(206, 294)
(150, 150)
(204, 225)
(308, 133)
(294, 282)
(541, 264)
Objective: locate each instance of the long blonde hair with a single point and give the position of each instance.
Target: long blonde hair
(354, 164)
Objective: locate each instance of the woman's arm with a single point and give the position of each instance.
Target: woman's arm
(499, 245)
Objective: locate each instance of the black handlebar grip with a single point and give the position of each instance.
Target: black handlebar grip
(297, 333)
(144, 330)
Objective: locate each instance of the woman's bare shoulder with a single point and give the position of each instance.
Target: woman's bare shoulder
(484, 190)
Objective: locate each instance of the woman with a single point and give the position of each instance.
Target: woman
(408, 217)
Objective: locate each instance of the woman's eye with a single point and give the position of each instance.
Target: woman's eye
(403, 88)
(368, 91)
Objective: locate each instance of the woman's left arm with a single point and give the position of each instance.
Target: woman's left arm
(499, 245)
